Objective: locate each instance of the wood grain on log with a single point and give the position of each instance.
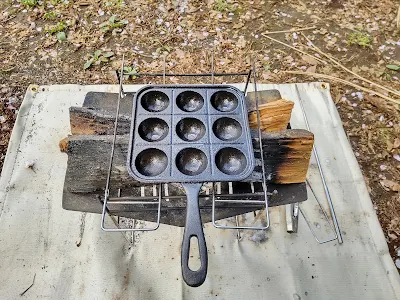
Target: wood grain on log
(274, 116)
(286, 155)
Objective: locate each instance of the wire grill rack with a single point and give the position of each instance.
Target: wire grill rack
(258, 196)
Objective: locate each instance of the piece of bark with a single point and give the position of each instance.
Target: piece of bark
(88, 159)
(88, 121)
(274, 116)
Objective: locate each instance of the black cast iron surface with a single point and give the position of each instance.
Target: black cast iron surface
(190, 134)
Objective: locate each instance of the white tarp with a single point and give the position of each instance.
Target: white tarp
(38, 237)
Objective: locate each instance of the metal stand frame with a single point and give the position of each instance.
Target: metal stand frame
(292, 210)
(264, 181)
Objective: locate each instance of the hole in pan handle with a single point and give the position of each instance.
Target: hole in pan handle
(193, 228)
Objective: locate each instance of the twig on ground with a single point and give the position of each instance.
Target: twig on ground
(33, 282)
(8, 19)
(142, 54)
(5, 9)
(398, 19)
(290, 30)
(344, 82)
(348, 70)
(291, 47)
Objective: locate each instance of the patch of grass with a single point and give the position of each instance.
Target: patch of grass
(129, 72)
(224, 6)
(60, 26)
(51, 15)
(29, 3)
(97, 58)
(113, 24)
(359, 38)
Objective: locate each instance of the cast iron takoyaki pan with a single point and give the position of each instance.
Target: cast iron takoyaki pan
(190, 134)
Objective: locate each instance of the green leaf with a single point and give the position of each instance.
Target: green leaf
(103, 24)
(108, 54)
(112, 19)
(393, 67)
(61, 36)
(97, 54)
(88, 64)
(103, 59)
(130, 71)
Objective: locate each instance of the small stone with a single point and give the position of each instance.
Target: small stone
(29, 164)
(13, 100)
(397, 262)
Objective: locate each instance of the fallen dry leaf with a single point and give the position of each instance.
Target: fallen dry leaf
(390, 185)
(396, 143)
(309, 60)
(179, 53)
(312, 69)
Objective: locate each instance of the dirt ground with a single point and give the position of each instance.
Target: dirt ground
(68, 41)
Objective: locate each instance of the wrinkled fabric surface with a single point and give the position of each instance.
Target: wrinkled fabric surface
(72, 258)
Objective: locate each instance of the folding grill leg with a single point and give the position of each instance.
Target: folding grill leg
(230, 190)
(118, 229)
(310, 226)
(292, 217)
(264, 185)
(238, 226)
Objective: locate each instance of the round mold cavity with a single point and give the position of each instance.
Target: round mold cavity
(151, 162)
(227, 129)
(153, 129)
(224, 101)
(191, 161)
(155, 101)
(190, 129)
(190, 101)
(230, 161)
